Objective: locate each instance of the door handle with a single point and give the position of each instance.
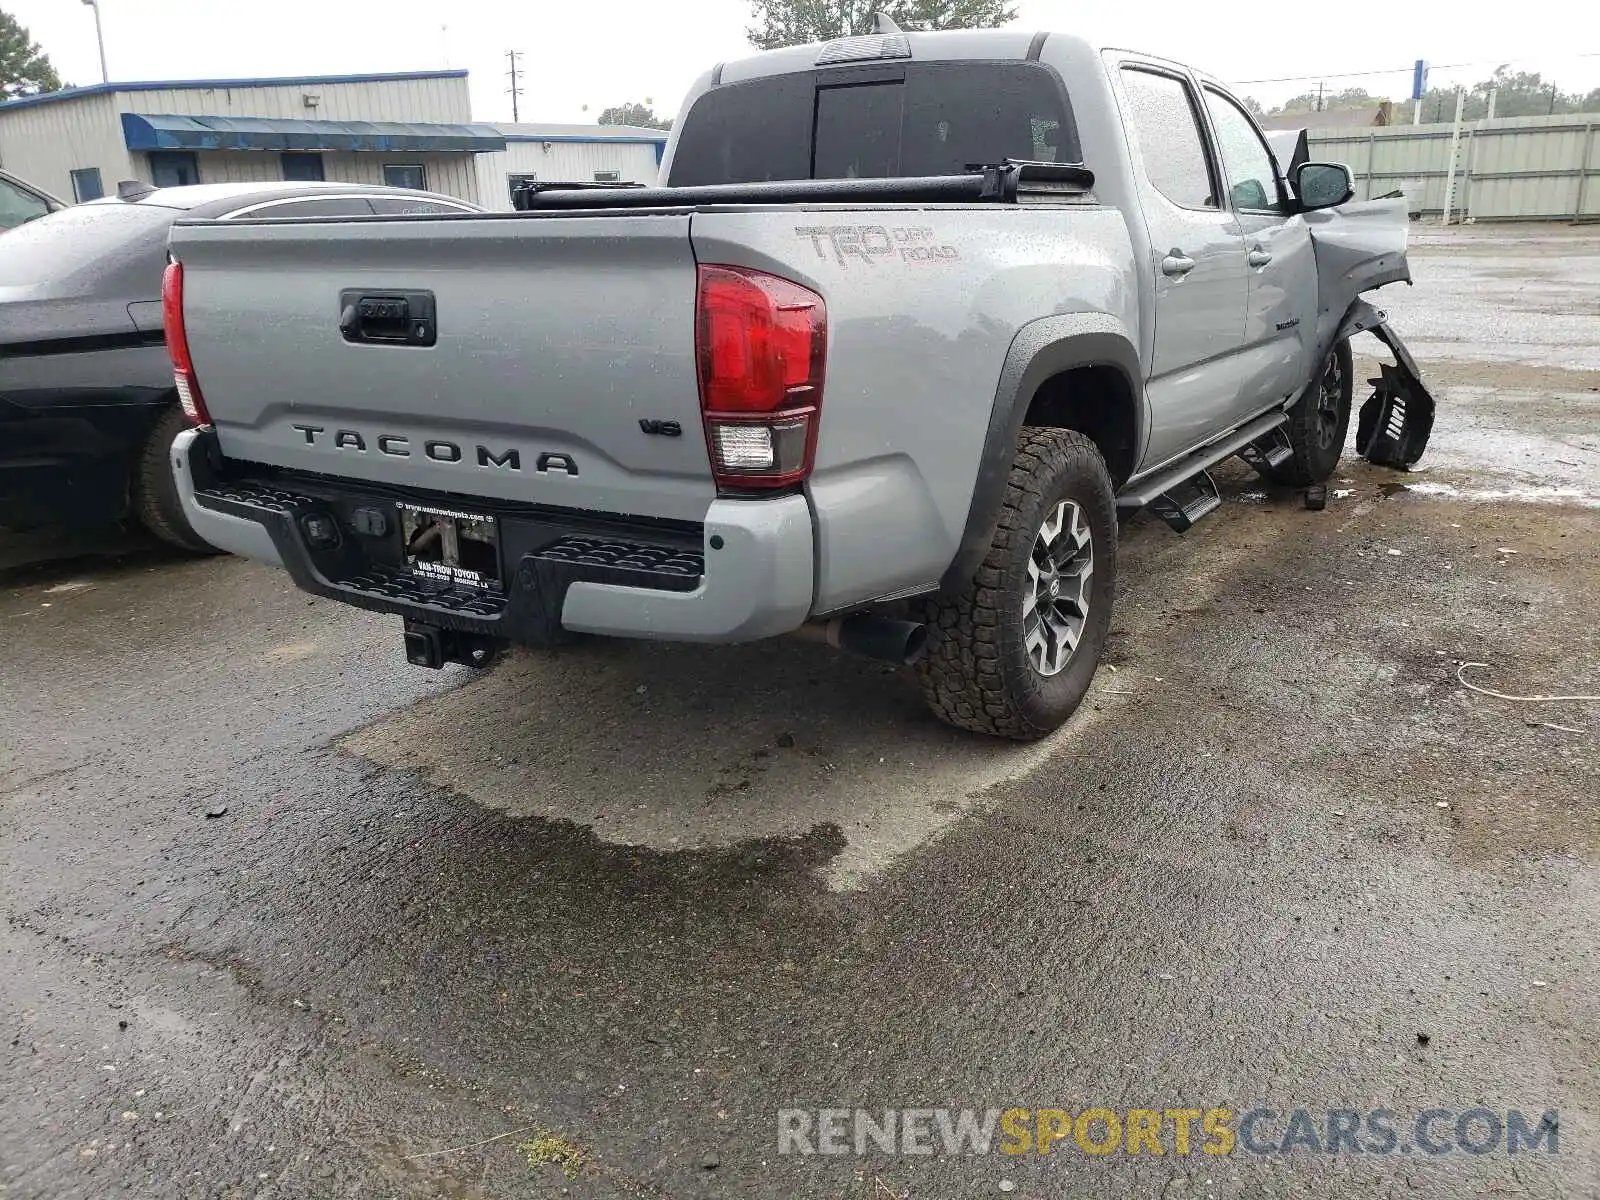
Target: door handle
(1176, 264)
(387, 318)
(1258, 256)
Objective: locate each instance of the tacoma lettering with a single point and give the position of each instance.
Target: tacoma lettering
(510, 459)
(438, 449)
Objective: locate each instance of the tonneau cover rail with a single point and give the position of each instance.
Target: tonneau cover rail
(1002, 183)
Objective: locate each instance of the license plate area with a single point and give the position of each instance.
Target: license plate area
(451, 546)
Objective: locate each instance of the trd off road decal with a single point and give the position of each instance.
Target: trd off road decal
(873, 244)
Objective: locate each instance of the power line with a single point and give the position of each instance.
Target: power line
(1407, 69)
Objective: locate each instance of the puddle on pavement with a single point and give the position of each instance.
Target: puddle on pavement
(1487, 495)
(675, 747)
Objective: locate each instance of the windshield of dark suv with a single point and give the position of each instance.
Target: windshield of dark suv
(930, 118)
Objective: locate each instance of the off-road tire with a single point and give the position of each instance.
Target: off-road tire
(155, 490)
(976, 673)
(1318, 424)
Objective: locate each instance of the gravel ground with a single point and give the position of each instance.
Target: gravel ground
(285, 917)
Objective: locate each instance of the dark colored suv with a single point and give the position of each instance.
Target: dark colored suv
(87, 406)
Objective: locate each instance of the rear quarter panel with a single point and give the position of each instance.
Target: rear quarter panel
(923, 304)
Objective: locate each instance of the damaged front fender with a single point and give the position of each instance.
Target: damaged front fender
(1397, 419)
(1359, 247)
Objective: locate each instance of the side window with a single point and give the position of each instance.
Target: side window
(1253, 181)
(1170, 144)
(322, 206)
(398, 206)
(18, 206)
(406, 175)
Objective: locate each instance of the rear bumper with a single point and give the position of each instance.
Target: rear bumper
(745, 573)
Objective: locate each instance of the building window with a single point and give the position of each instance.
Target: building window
(173, 168)
(608, 176)
(86, 184)
(302, 168)
(516, 180)
(406, 175)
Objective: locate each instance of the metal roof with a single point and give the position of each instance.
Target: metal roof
(170, 131)
(179, 85)
(526, 131)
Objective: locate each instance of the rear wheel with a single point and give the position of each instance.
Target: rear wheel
(155, 489)
(1014, 653)
(1318, 423)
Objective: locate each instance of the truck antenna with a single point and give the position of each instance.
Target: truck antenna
(882, 22)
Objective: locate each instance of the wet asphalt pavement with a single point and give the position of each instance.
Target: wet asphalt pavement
(285, 917)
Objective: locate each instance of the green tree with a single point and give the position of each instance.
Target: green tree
(1311, 101)
(794, 22)
(1517, 94)
(631, 113)
(24, 69)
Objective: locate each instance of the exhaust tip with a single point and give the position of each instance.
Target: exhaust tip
(900, 642)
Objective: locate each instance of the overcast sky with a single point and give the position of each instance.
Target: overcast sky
(599, 52)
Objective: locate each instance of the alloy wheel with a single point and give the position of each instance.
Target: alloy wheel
(1055, 602)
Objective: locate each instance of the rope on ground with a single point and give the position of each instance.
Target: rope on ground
(1461, 678)
(471, 1145)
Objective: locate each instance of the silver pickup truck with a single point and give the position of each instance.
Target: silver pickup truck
(911, 319)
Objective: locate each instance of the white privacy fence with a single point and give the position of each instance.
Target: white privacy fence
(1509, 169)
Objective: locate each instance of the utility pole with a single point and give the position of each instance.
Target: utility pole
(1319, 95)
(514, 57)
(100, 40)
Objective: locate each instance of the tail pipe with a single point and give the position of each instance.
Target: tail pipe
(883, 638)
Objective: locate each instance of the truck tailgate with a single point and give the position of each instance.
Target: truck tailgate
(554, 338)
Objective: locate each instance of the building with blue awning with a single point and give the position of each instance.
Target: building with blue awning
(171, 131)
(411, 129)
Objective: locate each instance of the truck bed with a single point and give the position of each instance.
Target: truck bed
(561, 370)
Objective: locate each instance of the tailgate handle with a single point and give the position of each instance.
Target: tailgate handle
(387, 318)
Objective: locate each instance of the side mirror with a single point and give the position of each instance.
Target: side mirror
(1250, 194)
(1323, 185)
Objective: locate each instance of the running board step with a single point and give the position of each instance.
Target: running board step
(1146, 488)
(1181, 506)
(1265, 453)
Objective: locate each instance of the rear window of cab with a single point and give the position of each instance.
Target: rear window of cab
(931, 118)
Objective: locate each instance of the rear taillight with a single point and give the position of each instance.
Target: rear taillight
(194, 405)
(761, 343)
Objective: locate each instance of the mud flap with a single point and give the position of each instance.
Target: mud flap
(1397, 419)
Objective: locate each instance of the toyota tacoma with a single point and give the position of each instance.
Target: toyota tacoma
(910, 319)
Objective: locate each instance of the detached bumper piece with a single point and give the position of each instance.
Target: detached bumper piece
(350, 544)
(1397, 419)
